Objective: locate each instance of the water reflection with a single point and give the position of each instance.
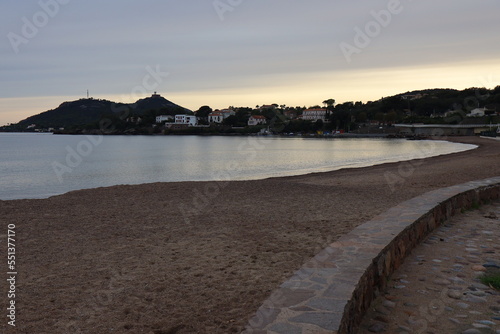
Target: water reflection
(26, 160)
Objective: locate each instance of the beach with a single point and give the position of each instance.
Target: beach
(197, 257)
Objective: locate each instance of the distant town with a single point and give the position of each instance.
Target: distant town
(473, 111)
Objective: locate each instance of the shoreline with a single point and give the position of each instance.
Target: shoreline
(187, 257)
(419, 154)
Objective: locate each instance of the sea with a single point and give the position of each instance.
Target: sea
(38, 165)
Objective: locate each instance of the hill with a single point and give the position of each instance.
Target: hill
(427, 106)
(90, 111)
(156, 102)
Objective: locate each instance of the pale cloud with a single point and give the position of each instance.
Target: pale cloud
(262, 49)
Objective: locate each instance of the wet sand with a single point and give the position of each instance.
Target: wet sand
(197, 257)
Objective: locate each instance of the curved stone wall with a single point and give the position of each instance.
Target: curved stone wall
(333, 290)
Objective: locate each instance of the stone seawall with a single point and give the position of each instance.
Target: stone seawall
(333, 290)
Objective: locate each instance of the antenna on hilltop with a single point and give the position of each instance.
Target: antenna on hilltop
(87, 93)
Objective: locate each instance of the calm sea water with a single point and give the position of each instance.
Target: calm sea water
(43, 165)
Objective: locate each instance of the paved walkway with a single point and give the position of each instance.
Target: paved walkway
(437, 289)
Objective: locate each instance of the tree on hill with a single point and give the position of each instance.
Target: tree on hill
(203, 112)
(233, 121)
(75, 113)
(340, 119)
(83, 112)
(330, 103)
(362, 117)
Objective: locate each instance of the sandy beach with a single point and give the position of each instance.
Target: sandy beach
(197, 257)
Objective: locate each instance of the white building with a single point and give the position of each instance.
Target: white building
(256, 120)
(227, 112)
(314, 114)
(215, 118)
(163, 118)
(218, 116)
(190, 120)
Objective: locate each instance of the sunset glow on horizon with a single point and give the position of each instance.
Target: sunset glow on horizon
(254, 54)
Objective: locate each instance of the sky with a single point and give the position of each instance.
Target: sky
(241, 52)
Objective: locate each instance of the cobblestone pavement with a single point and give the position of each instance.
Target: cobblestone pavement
(437, 289)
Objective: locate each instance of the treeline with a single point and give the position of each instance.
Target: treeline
(438, 106)
(432, 106)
